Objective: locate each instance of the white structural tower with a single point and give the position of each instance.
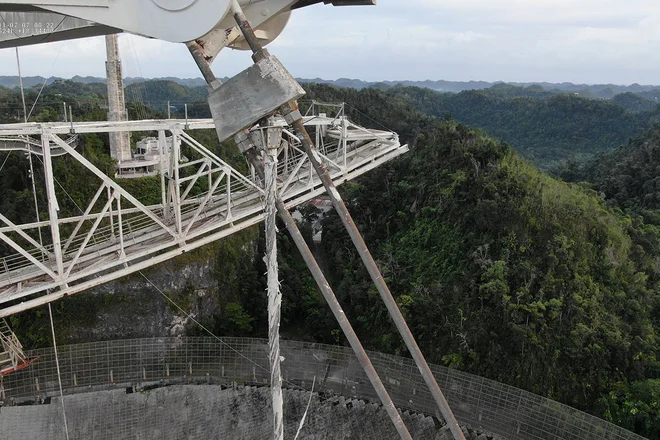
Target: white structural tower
(118, 234)
(120, 142)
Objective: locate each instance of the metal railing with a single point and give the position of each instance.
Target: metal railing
(476, 401)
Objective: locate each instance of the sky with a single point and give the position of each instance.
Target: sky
(579, 41)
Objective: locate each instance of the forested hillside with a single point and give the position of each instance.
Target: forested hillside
(634, 102)
(501, 269)
(545, 128)
(597, 91)
(628, 177)
(156, 94)
(83, 98)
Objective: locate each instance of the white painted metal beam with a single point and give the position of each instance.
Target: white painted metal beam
(124, 239)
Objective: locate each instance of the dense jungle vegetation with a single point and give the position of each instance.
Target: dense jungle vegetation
(545, 125)
(501, 269)
(547, 128)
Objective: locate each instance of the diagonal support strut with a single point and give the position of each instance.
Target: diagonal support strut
(334, 305)
(377, 278)
(292, 114)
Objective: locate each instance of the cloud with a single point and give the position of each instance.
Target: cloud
(558, 12)
(511, 40)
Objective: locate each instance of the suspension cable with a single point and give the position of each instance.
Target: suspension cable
(59, 377)
(32, 176)
(210, 333)
(274, 293)
(43, 85)
(65, 191)
(369, 117)
(6, 159)
(214, 336)
(304, 416)
(141, 109)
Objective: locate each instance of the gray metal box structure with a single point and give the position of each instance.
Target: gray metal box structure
(254, 93)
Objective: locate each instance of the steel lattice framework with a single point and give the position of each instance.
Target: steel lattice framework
(126, 235)
(117, 234)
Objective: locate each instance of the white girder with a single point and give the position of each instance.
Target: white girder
(117, 235)
(169, 20)
(209, 22)
(29, 145)
(12, 357)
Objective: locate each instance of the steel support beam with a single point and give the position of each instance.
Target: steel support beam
(53, 206)
(84, 217)
(26, 237)
(293, 117)
(235, 203)
(111, 184)
(377, 277)
(335, 306)
(343, 321)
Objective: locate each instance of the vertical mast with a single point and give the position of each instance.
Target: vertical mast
(120, 144)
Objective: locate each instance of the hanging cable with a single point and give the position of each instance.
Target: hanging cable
(54, 63)
(368, 117)
(274, 293)
(43, 85)
(210, 333)
(309, 402)
(32, 176)
(64, 190)
(5, 161)
(141, 108)
(59, 377)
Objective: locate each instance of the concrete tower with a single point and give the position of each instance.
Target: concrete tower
(120, 143)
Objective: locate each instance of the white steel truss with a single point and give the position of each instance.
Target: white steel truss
(203, 199)
(12, 357)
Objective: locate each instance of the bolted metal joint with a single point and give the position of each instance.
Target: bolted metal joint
(293, 116)
(291, 112)
(243, 141)
(266, 138)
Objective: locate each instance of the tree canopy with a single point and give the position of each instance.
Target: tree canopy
(500, 269)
